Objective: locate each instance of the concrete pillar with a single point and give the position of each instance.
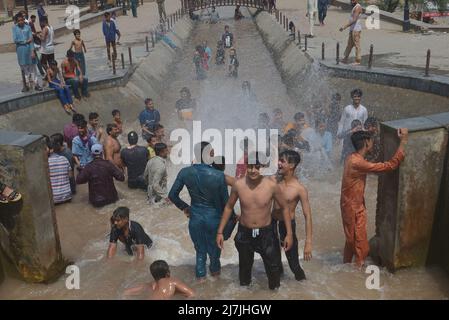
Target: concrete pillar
(407, 197)
(28, 231)
(440, 240)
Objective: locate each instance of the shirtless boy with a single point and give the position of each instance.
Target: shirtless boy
(112, 146)
(293, 192)
(255, 232)
(164, 286)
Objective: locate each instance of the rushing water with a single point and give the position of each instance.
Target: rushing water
(84, 230)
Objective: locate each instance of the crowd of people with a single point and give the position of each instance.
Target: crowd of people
(67, 78)
(87, 152)
(203, 55)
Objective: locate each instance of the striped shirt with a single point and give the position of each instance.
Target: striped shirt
(59, 168)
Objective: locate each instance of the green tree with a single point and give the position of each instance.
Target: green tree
(388, 5)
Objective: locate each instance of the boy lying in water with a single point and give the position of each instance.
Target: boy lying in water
(164, 286)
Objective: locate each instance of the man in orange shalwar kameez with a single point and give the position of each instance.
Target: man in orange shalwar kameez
(352, 201)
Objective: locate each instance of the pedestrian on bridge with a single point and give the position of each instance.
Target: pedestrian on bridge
(161, 9)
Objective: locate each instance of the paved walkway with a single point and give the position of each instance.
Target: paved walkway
(133, 32)
(392, 47)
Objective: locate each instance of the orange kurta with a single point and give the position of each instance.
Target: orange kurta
(352, 202)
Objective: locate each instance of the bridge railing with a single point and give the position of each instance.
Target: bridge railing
(193, 5)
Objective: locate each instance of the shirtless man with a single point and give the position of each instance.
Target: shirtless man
(112, 146)
(255, 232)
(293, 192)
(164, 285)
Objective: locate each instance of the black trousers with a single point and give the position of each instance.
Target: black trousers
(292, 254)
(265, 242)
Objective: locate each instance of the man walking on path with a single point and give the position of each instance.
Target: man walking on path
(312, 7)
(134, 8)
(322, 10)
(161, 9)
(355, 30)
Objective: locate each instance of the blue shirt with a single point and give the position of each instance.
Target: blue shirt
(110, 31)
(23, 49)
(149, 118)
(207, 189)
(82, 150)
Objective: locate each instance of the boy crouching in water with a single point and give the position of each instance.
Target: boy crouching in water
(164, 286)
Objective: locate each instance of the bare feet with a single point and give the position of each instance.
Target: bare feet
(344, 61)
(355, 64)
(201, 280)
(67, 108)
(216, 274)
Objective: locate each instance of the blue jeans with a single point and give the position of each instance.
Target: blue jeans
(63, 94)
(75, 84)
(203, 226)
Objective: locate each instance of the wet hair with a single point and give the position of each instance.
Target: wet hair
(44, 20)
(358, 139)
(82, 123)
(298, 116)
(219, 163)
(54, 144)
(148, 100)
(107, 14)
(186, 90)
(120, 213)
(32, 16)
(159, 269)
(199, 150)
(93, 115)
(257, 158)
(291, 156)
(133, 137)
(77, 117)
(70, 54)
(355, 123)
(289, 138)
(150, 137)
(226, 27)
(158, 126)
(356, 92)
(370, 122)
(109, 127)
(115, 111)
(58, 137)
(159, 147)
(76, 31)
